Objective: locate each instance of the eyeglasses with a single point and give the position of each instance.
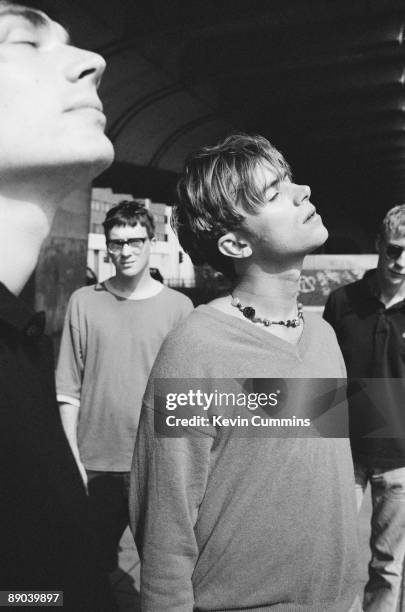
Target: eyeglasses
(116, 246)
(393, 251)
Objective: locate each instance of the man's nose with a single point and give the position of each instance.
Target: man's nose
(125, 249)
(84, 64)
(401, 260)
(302, 194)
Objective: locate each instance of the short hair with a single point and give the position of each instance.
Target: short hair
(393, 223)
(216, 186)
(33, 15)
(129, 212)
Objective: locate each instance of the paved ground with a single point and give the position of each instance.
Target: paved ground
(126, 578)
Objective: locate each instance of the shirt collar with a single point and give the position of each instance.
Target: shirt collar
(372, 287)
(371, 284)
(18, 315)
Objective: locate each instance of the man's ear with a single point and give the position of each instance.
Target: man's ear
(232, 246)
(378, 244)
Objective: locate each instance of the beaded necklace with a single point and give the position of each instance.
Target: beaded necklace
(250, 313)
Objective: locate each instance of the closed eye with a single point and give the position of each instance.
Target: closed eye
(273, 196)
(31, 43)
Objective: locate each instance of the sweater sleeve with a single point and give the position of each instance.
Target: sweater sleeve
(185, 308)
(69, 370)
(168, 482)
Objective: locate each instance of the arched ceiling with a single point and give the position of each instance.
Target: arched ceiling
(323, 80)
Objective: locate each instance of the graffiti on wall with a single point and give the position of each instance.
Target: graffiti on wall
(322, 274)
(316, 285)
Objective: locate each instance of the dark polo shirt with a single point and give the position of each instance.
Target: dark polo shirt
(372, 340)
(44, 542)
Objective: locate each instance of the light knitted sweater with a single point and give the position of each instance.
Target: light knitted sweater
(108, 347)
(230, 523)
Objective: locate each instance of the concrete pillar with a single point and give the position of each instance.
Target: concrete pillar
(62, 264)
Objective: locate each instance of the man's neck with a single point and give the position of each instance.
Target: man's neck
(390, 294)
(29, 200)
(274, 296)
(137, 287)
(273, 293)
(24, 225)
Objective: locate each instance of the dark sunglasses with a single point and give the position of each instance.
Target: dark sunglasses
(393, 251)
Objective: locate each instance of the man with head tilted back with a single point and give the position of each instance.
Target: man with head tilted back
(223, 520)
(52, 142)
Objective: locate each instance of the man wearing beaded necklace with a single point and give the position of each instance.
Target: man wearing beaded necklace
(207, 504)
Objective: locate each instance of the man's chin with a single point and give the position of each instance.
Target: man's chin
(129, 271)
(397, 278)
(321, 237)
(326, 236)
(91, 164)
(103, 159)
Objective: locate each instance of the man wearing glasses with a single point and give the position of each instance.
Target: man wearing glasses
(369, 319)
(112, 334)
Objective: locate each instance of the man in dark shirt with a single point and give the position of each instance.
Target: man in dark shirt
(52, 143)
(369, 319)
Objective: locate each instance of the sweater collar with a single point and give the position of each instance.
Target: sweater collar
(18, 315)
